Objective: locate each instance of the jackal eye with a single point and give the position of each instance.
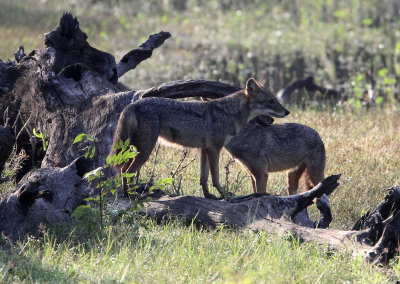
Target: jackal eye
(271, 101)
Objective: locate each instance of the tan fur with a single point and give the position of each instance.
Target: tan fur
(289, 146)
(205, 125)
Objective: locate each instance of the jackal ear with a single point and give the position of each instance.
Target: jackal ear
(252, 86)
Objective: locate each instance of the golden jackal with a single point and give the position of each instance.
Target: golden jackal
(264, 149)
(206, 125)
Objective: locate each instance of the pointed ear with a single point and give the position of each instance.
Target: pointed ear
(252, 86)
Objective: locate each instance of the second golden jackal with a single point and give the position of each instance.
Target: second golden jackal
(206, 125)
(278, 147)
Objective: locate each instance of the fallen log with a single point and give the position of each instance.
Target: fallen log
(312, 92)
(284, 216)
(241, 212)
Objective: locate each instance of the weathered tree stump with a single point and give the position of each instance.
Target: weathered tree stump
(54, 88)
(48, 195)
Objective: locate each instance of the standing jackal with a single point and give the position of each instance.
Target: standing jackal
(206, 125)
(278, 147)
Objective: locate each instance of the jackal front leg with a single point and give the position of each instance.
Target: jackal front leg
(204, 170)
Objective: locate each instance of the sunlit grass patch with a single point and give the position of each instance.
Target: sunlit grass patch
(179, 254)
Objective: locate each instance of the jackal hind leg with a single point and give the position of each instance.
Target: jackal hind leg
(253, 180)
(261, 179)
(213, 161)
(253, 183)
(204, 171)
(314, 174)
(294, 177)
(144, 146)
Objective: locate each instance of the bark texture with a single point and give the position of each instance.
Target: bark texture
(48, 195)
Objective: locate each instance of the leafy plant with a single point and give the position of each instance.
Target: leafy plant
(108, 186)
(90, 149)
(39, 134)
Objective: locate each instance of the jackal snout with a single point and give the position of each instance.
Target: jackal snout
(262, 101)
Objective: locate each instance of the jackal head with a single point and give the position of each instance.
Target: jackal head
(262, 101)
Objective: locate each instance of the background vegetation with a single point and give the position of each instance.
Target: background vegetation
(229, 40)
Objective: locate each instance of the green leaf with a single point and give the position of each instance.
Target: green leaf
(167, 180)
(108, 160)
(340, 14)
(367, 22)
(383, 72)
(128, 175)
(38, 133)
(92, 150)
(92, 199)
(389, 81)
(379, 100)
(79, 137)
(81, 211)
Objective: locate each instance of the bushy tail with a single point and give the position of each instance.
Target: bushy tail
(126, 127)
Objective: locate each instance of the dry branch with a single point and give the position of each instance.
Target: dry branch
(132, 59)
(188, 88)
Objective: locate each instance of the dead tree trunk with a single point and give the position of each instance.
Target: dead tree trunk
(53, 89)
(70, 88)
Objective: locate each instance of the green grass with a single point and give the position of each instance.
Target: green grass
(276, 41)
(365, 149)
(174, 253)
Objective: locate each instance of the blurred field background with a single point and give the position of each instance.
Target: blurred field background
(277, 42)
(230, 40)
